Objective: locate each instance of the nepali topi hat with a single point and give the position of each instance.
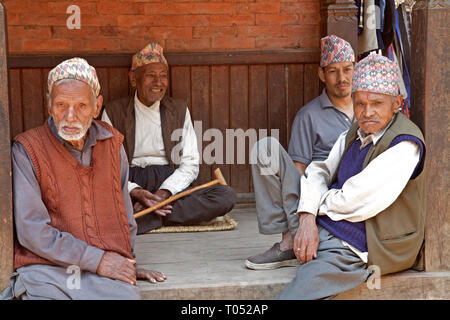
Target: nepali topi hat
(152, 53)
(77, 69)
(377, 74)
(334, 49)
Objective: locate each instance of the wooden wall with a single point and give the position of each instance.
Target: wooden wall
(261, 90)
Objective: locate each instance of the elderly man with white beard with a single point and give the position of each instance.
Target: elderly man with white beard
(71, 202)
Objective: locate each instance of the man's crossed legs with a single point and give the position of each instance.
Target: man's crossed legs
(200, 206)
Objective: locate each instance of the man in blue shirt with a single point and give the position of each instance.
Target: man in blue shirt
(315, 129)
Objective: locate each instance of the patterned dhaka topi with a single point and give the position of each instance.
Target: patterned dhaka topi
(152, 53)
(377, 74)
(77, 69)
(334, 49)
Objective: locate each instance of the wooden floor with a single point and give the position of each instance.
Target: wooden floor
(210, 265)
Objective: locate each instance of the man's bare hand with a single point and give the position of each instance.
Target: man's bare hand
(163, 194)
(115, 266)
(145, 199)
(306, 239)
(150, 275)
(301, 167)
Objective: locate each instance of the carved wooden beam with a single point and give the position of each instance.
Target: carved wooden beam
(339, 18)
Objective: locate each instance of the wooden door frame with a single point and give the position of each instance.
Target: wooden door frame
(6, 221)
(429, 86)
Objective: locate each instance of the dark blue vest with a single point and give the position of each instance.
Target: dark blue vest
(352, 163)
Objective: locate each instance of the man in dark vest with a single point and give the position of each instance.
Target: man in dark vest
(73, 215)
(362, 209)
(161, 165)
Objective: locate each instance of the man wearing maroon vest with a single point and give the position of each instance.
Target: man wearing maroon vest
(73, 216)
(362, 209)
(160, 164)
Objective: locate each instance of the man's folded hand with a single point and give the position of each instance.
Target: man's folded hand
(145, 199)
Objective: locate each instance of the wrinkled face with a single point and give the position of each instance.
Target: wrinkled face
(374, 111)
(73, 106)
(337, 78)
(151, 82)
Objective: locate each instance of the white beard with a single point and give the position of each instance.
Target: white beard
(72, 137)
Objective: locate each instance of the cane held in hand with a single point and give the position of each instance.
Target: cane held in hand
(219, 180)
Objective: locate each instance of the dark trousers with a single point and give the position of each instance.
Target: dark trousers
(199, 206)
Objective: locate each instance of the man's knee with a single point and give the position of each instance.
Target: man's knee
(263, 148)
(266, 155)
(227, 199)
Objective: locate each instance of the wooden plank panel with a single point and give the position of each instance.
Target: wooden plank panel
(44, 75)
(295, 94)
(311, 83)
(102, 74)
(180, 82)
(118, 83)
(16, 116)
(277, 102)
(258, 116)
(220, 105)
(6, 221)
(200, 106)
(240, 173)
(32, 94)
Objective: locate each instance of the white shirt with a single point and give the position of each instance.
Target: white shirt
(365, 194)
(149, 147)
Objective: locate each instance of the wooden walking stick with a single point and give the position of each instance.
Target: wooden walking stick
(219, 180)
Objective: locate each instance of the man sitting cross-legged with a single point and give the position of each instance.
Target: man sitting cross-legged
(149, 120)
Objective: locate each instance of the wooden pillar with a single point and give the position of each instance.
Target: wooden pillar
(6, 222)
(430, 109)
(338, 17)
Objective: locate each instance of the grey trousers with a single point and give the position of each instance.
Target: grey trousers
(43, 282)
(276, 182)
(336, 269)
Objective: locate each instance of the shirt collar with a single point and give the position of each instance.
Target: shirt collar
(325, 100)
(373, 137)
(95, 132)
(138, 103)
